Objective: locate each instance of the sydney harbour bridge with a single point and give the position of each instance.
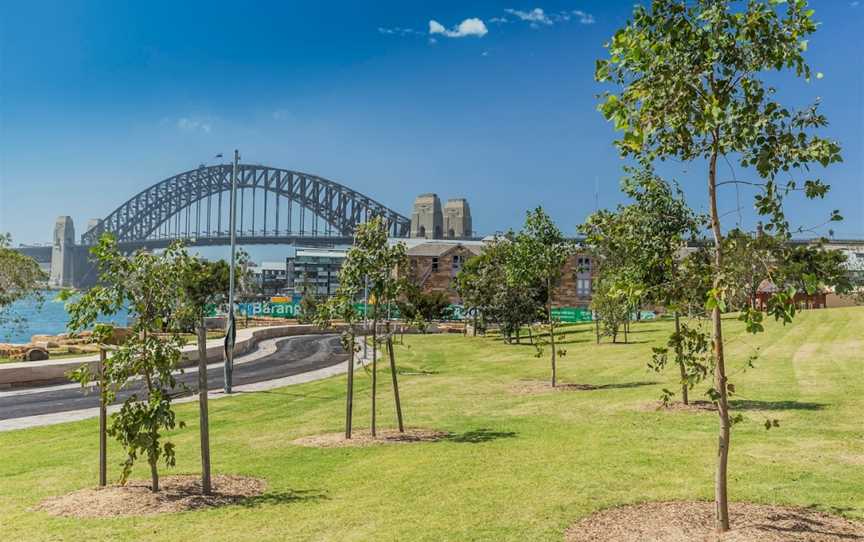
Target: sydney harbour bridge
(274, 206)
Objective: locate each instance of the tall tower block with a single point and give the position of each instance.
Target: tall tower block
(457, 219)
(63, 253)
(427, 220)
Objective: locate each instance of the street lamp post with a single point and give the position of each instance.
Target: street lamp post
(231, 335)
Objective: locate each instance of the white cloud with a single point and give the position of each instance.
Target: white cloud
(498, 20)
(436, 28)
(584, 18)
(535, 16)
(396, 30)
(188, 124)
(855, 4)
(468, 27)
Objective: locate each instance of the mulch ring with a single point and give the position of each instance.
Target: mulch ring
(531, 387)
(678, 406)
(694, 522)
(176, 494)
(361, 438)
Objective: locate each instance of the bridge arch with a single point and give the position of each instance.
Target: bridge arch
(156, 214)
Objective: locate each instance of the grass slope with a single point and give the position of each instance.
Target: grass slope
(519, 467)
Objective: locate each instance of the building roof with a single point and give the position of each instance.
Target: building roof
(272, 266)
(437, 249)
(320, 253)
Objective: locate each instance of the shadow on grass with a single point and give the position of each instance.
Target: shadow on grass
(285, 497)
(625, 385)
(417, 372)
(285, 393)
(746, 404)
(558, 341)
(791, 522)
(478, 436)
(564, 386)
(836, 510)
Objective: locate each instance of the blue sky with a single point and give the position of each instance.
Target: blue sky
(99, 100)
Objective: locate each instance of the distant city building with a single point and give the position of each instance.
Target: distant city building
(457, 219)
(427, 220)
(271, 277)
(430, 221)
(433, 266)
(315, 270)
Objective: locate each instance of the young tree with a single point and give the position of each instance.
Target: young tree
(341, 307)
(415, 303)
(690, 87)
(373, 263)
(474, 289)
(540, 252)
(151, 286)
(204, 284)
(609, 307)
(811, 269)
(20, 278)
(641, 245)
(511, 299)
(310, 304)
(748, 260)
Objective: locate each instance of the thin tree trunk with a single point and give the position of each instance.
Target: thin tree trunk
(103, 422)
(597, 328)
(518, 336)
(203, 413)
(374, 367)
(349, 403)
(154, 475)
(551, 332)
(474, 333)
(530, 335)
(151, 455)
(723, 441)
(626, 325)
(679, 359)
(395, 384)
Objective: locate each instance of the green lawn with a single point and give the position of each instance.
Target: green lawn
(519, 467)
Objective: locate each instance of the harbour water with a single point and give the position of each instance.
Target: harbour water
(48, 319)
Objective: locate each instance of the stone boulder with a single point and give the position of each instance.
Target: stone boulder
(36, 354)
(119, 335)
(12, 351)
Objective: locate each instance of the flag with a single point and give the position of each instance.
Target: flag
(230, 336)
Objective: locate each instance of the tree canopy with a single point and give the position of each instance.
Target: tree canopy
(20, 278)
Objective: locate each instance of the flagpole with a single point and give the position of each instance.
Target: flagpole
(231, 332)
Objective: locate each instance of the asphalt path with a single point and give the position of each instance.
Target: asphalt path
(293, 355)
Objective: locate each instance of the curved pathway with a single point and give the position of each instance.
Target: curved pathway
(276, 362)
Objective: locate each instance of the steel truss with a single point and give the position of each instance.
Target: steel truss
(172, 209)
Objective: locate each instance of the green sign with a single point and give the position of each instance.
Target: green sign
(457, 312)
(572, 314)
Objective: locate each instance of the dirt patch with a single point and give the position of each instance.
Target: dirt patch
(364, 438)
(694, 522)
(678, 406)
(177, 494)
